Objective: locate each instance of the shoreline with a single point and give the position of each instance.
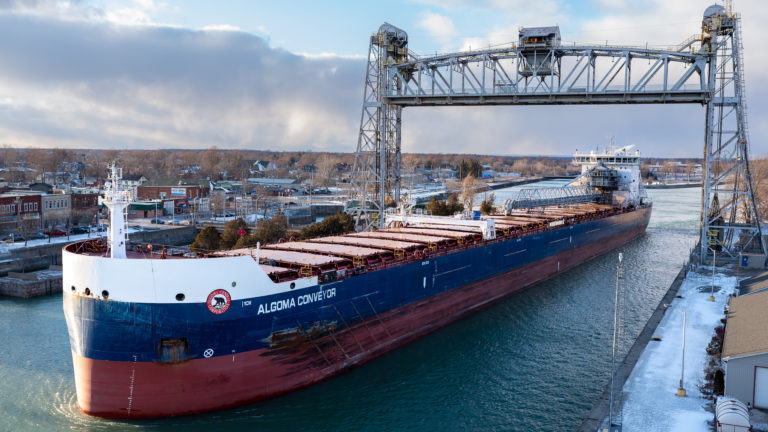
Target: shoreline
(673, 185)
(600, 409)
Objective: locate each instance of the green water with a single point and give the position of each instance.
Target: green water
(535, 361)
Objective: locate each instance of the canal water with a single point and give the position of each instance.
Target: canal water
(535, 361)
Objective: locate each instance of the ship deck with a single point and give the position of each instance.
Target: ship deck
(348, 254)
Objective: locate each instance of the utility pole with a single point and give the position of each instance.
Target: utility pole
(615, 412)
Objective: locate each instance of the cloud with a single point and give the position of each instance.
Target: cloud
(479, 4)
(221, 27)
(80, 79)
(81, 84)
(439, 27)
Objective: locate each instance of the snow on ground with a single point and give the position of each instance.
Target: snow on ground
(6, 247)
(651, 402)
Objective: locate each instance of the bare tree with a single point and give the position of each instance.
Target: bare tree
(759, 171)
(209, 162)
(468, 192)
(669, 167)
(410, 164)
(325, 168)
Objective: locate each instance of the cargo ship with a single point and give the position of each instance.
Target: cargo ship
(157, 334)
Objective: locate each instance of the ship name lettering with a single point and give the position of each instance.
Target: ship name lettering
(265, 308)
(304, 299)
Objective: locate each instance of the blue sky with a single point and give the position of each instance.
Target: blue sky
(289, 75)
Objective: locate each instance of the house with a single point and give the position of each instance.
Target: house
(55, 177)
(261, 166)
(41, 187)
(75, 168)
(189, 170)
(90, 182)
(134, 180)
(745, 349)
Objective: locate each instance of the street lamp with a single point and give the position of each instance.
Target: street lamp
(681, 390)
(712, 295)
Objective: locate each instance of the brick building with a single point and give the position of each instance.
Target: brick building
(171, 192)
(85, 206)
(182, 198)
(20, 212)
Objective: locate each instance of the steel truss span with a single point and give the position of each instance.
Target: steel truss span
(707, 68)
(573, 75)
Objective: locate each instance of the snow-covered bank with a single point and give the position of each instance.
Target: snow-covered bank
(651, 402)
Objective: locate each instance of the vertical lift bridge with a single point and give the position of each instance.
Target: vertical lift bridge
(539, 69)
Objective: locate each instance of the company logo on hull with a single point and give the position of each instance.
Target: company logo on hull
(219, 301)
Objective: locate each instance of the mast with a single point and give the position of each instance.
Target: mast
(117, 199)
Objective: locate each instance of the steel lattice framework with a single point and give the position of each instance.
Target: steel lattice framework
(706, 68)
(542, 197)
(376, 170)
(729, 221)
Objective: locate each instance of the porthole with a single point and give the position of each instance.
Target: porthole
(293, 285)
(105, 294)
(233, 284)
(180, 297)
(73, 288)
(87, 291)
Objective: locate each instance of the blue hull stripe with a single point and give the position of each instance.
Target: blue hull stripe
(118, 331)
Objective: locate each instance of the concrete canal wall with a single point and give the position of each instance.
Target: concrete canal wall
(34, 271)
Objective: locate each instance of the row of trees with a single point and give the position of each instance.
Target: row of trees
(237, 234)
(452, 206)
(213, 162)
(448, 207)
(759, 171)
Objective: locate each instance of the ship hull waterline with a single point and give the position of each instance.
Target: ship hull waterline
(141, 389)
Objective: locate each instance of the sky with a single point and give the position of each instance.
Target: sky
(268, 75)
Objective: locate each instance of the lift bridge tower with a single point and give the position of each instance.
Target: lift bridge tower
(376, 170)
(707, 68)
(729, 218)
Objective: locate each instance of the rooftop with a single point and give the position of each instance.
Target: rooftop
(745, 333)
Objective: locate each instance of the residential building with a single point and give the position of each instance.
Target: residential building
(261, 166)
(90, 182)
(134, 180)
(41, 187)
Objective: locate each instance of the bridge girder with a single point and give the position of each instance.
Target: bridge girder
(584, 75)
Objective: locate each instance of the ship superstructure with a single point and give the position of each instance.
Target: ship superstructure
(614, 172)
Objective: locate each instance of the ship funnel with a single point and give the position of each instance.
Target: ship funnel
(117, 199)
